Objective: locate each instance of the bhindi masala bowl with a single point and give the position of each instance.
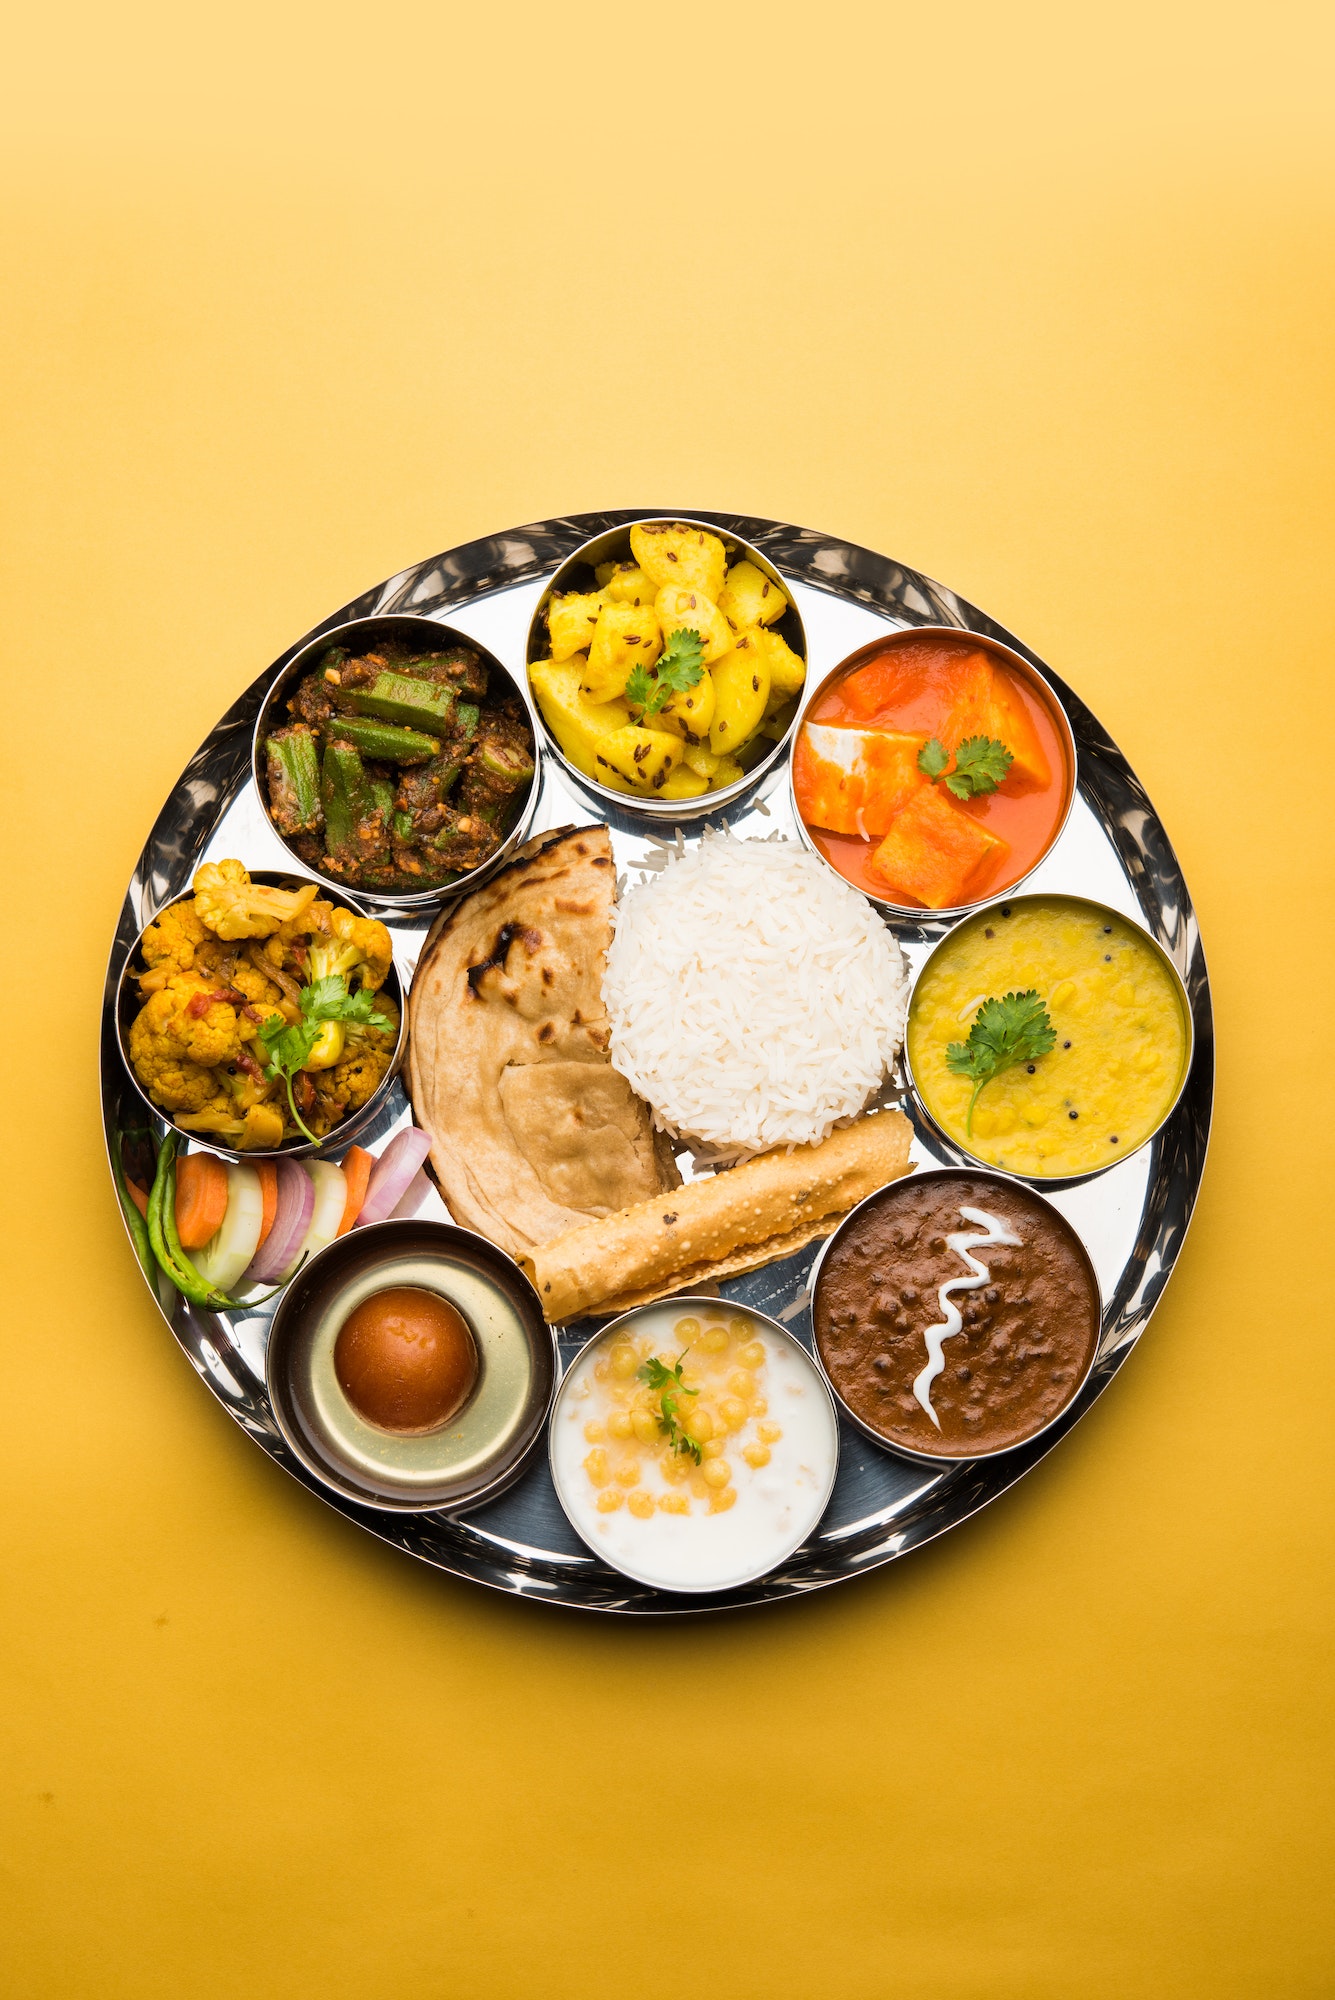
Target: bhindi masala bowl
(397, 758)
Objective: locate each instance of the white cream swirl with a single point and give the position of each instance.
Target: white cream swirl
(964, 1245)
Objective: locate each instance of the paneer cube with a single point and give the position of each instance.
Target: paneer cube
(1009, 723)
(854, 780)
(932, 852)
(570, 621)
(625, 636)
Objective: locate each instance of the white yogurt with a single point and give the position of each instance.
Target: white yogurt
(777, 1503)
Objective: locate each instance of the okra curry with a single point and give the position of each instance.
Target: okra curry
(933, 775)
(401, 769)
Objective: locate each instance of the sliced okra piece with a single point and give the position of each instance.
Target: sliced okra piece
(385, 742)
(346, 795)
(413, 704)
(293, 770)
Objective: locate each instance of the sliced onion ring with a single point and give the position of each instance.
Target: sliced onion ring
(419, 1188)
(292, 1218)
(391, 1174)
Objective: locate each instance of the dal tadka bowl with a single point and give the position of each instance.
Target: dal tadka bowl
(957, 1315)
(570, 722)
(483, 1442)
(129, 1003)
(400, 787)
(1121, 1037)
(860, 795)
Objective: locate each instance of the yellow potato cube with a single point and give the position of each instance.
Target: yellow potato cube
(697, 758)
(749, 598)
(571, 620)
(683, 784)
(680, 555)
(625, 636)
(690, 710)
(779, 713)
(741, 689)
(576, 722)
(689, 610)
(644, 758)
(787, 669)
(626, 583)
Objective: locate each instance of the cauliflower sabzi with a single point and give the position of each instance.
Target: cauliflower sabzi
(227, 973)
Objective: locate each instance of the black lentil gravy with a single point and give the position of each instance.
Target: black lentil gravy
(1029, 1332)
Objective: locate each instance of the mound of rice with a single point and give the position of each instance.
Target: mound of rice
(754, 998)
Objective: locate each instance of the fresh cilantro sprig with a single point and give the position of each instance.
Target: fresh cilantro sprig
(1013, 1030)
(288, 1045)
(981, 764)
(679, 667)
(667, 1385)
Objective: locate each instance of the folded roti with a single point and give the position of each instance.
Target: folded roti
(753, 1214)
(532, 1130)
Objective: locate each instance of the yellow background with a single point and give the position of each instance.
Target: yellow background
(1036, 299)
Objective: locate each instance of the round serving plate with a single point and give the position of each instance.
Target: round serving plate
(1132, 1218)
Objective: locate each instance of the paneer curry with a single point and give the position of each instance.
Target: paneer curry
(932, 774)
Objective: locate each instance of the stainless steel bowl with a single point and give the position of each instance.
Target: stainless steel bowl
(849, 1226)
(128, 1004)
(479, 1451)
(1002, 906)
(1025, 671)
(576, 573)
(638, 1319)
(358, 635)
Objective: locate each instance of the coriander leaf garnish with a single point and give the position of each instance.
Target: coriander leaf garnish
(1013, 1030)
(680, 666)
(668, 1386)
(288, 1045)
(981, 764)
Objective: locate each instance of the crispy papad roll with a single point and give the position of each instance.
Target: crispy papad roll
(767, 1208)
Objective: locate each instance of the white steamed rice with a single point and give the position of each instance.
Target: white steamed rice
(754, 998)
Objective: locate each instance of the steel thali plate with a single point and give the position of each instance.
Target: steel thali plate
(1133, 1218)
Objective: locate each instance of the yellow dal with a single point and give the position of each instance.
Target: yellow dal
(1108, 995)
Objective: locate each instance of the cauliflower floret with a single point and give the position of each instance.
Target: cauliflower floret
(354, 944)
(259, 1131)
(170, 1078)
(235, 907)
(184, 1023)
(170, 939)
(260, 992)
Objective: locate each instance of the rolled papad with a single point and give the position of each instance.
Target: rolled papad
(767, 1208)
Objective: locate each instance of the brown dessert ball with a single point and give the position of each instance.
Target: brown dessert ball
(405, 1359)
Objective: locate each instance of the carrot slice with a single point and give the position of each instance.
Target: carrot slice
(357, 1165)
(268, 1173)
(138, 1195)
(201, 1199)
